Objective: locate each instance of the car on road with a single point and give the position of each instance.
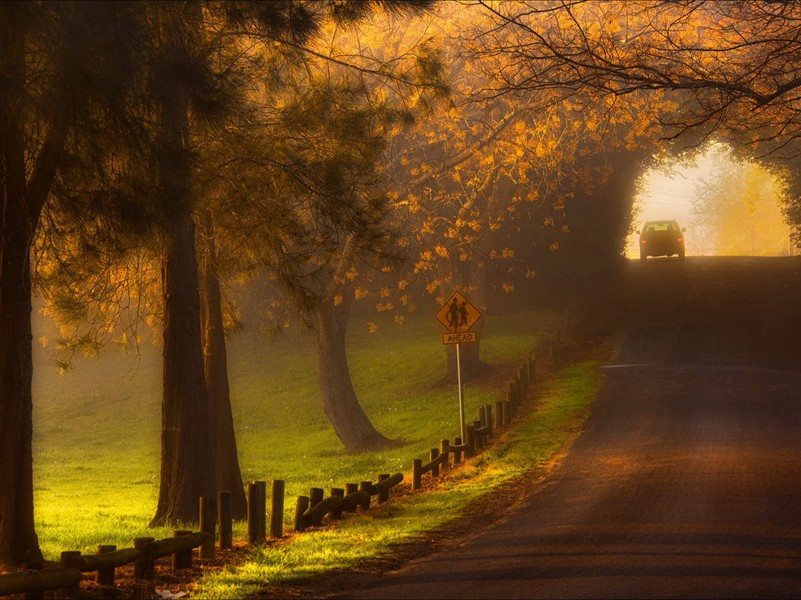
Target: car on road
(661, 238)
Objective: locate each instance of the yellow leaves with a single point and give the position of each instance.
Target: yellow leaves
(530, 273)
(402, 284)
(384, 293)
(554, 246)
(384, 306)
(441, 251)
(508, 288)
(372, 326)
(360, 292)
(399, 319)
(507, 253)
(352, 274)
(338, 299)
(432, 286)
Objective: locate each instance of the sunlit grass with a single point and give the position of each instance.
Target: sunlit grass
(97, 427)
(531, 444)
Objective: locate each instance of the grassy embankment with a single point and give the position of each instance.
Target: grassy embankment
(96, 440)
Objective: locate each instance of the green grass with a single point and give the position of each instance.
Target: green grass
(96, 428)
(531, 444)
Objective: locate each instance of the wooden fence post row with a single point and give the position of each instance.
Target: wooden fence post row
(310, 511)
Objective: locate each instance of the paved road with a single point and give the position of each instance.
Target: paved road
(687, 479)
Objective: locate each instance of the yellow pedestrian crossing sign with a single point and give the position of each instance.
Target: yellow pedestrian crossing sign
(458, 314)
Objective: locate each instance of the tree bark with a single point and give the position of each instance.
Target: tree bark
(228, 476)
(18, 217)
(339, 398)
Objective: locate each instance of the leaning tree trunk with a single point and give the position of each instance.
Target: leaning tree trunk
(339, 398)
(18, 540)
(228, 476)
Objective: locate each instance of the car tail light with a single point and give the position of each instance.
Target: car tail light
(679, 239)
(643, 241)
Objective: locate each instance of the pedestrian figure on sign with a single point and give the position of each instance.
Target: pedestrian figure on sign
(453, 314)
(463, 314)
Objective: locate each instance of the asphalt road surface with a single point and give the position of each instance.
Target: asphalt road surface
(687, 479)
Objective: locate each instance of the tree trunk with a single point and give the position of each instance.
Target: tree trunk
(18, 217)
(186, 452)
(228, 476)
(339, 398)
(18, 540)
(187, 470)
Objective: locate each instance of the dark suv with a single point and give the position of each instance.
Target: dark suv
(661, 238)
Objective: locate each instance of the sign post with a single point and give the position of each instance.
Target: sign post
(458, 315)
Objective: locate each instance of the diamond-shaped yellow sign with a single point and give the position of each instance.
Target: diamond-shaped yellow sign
(457, 314)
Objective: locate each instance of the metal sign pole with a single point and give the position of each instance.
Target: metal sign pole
(461, 396)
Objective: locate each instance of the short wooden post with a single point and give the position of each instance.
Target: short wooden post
(471, 442)
(511, 404)
(182, 559)
(316, 496)
(457, 454)
(365, 486)
(432, 456)
(105, 576)
(340, 493)
(507, 413)
(208, 525)
(143, 568)
(65, 562)
(262, 510)
(351, 488)
(482, 416)
(478, 437)
(488, 411)
(444, 448)
(499, 415)
(417, 474)
(277, 509)
(384, 495)
(225, 518)
(301, 507)
(253, 513)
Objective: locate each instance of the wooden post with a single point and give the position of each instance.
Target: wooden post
(316, 496)
(531, 364)
(66, 559)
(482, 416)
(105, 576)
(417, 474)
(208, 525)
(488, 411)
(432, 455)
(262, 510)
(471, 442)
(477, 437)
(182, 559)
(499, 415)
(383, 496)
(253, 513)
(351, 488)
(340, 493)
(507, 413)
(277, 509)
(457, 455)
(444, 449)
(224, 516)
(365, 486)
(301, 507)
(143, 568)
(510, 397)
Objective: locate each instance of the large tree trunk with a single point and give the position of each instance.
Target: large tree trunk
(187, 470)
(18, 217)
(18, 540)
(228, 476)
(186, 453)
(339, 398)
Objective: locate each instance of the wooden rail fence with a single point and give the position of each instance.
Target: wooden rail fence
(214, 517)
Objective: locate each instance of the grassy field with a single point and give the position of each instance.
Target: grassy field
(96, 441)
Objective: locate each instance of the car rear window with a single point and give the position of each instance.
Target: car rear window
(664, 226)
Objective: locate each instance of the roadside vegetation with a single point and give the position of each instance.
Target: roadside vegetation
(98, 425)
(561, 408)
